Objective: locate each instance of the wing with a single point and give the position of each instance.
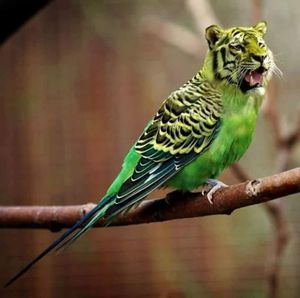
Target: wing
(187, 121)
(184, 127)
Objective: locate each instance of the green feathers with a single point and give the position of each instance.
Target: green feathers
(200, 129)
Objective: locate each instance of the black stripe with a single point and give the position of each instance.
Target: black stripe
(223, 52)
(215, 65)
(236, 32)
(228, 62)
(225, 40)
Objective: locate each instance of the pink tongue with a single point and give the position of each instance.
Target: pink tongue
(254, 78)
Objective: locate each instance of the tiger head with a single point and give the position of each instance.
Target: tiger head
(240, 57)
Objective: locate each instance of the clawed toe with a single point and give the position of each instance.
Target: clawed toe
(216, 185)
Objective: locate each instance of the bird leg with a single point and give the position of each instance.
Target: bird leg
(215, 185)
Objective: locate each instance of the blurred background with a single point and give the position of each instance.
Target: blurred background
(78, 83)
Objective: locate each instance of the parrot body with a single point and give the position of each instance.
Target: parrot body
(234, 137)
(200, 129)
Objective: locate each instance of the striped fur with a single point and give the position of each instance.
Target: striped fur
(237, 50)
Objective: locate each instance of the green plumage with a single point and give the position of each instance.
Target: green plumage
(200, 129)
(226, 128)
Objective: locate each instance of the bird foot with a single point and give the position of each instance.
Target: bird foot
(215, 186)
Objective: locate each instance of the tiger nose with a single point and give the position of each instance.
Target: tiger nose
(259, 58)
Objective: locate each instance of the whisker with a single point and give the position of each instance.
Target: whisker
(276, 70)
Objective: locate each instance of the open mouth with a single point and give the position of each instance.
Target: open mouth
(253, 79)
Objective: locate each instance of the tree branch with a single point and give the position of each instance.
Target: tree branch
(174, 34)
(174, 206)
(202, 14)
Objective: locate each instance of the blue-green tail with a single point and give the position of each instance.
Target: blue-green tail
(69, 236)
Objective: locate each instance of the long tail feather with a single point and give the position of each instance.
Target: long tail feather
(72, 239)
(91, 217)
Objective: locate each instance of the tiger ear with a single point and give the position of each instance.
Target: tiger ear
(261, 27)
(212, 34)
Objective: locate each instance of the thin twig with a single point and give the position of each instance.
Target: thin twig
(270, 112)
(256, 10)
(202, 13)
(281, 238)
(239, 172)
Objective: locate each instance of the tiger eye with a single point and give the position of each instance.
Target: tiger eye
(237, 46)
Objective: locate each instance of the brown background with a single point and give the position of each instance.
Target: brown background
(78, 83)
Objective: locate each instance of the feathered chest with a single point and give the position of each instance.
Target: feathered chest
(236, 133)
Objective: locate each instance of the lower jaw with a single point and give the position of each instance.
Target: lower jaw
(257, 91)
(246, 88)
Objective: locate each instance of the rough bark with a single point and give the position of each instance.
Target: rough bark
(174, 206)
